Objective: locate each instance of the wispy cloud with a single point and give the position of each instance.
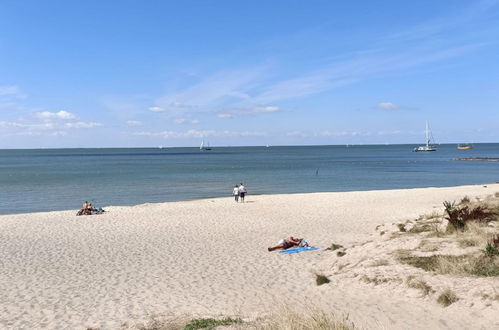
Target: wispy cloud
(58, 123)
(157, 109)
(229, 113)
(62, 114)
(328, 133)
(181, 121)
(11, 91)
(134, 123)
(200, 134)
(388, 106)
(241, 89)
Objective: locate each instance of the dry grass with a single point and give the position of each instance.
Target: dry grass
(428, 246)
(470, 264)
(285, 319)
(447, 297)
(312, 320)
(375, 280)
(419, 284)
(335, 247)
(380, 262)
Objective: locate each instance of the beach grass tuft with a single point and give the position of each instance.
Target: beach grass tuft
(311, 320)
(470, 264)
(321, 279)
(210, 323)
(419, 284)
(447, 298)
(335, 247)
(465, 200)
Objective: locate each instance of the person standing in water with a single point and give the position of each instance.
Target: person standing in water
(242, 192)
(235, 192)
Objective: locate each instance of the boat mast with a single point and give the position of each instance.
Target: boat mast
(427, 138)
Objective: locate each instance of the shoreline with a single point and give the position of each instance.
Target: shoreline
(209, 258)
(250, 194)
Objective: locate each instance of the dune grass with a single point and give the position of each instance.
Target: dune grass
(419, 284)
(210, 323)
(284, 319)
(447, 298)
(311, 320)
(321, 279)
(470, 264)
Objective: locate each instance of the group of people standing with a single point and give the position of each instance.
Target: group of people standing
(239, 192)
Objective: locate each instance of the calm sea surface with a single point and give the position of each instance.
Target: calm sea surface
(59, 179)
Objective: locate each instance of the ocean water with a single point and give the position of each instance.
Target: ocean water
(61, 179)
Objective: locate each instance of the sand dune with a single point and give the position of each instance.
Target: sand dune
(209, 257)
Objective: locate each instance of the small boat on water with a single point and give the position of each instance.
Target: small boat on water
(428, 146)
(204, 147)
(465, 146)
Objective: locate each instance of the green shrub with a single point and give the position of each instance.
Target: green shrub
(321, 279)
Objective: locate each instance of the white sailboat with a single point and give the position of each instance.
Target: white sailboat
(427, 146)
(203, 147)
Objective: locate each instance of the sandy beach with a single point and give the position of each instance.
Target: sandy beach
(209, 258)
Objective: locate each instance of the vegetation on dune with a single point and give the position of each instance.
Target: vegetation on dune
(210, 323)
(447, 297)
(335, 247)
(283, 319)
(419, 284)
(312, 320)
(321, 279)
(460, 215)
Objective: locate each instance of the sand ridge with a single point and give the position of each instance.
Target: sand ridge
(207, 257)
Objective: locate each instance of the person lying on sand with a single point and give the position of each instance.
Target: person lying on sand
(89, 209)
(288, 242)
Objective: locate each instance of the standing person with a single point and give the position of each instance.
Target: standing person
(242, 192)
(235, 192)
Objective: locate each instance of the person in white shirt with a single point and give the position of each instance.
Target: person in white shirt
(235, 192)
(242, 192)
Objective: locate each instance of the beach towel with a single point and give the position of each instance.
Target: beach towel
(299, 249)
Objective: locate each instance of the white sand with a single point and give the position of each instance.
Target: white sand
(209, 258)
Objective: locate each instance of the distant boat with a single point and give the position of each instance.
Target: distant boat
(204, 147)
(427, 146)
(465, 146)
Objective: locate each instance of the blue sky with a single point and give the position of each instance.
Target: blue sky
(172, 73)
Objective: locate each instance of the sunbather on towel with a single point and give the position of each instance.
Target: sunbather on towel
(288, 242)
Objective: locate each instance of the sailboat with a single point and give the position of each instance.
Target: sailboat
(427, 146)
(203, 147)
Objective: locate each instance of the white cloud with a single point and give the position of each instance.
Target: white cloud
(199, 134)
(388, 106)
(134, 123)
(327, 133)
(82, 124)
(157, 109)
(64, 115)
(246, 111)
(11, 91)
(186, 121)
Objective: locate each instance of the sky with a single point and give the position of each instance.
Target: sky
(241, 73)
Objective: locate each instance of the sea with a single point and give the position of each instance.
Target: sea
(62, 179)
